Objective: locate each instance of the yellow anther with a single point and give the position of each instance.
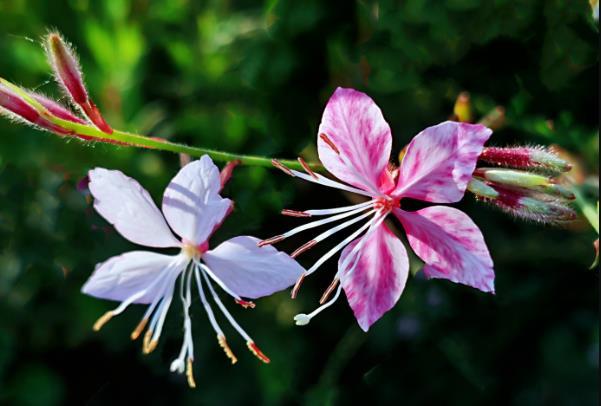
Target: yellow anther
(103, 320)
(139, 328)
(190, 374)
(226, 348)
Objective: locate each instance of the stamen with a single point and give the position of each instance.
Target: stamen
(305, 247)
(102, 320)
(152, 345)
(226, 349)
(207, 271)
(322, 180)
(304, 319)
(257, 352)
(245, 303)
(146, 342)
(295, 213)
(206, 304)
(330, 143)
(329, 291)
(270, 241)
(336, 210)
(281, 167)
(139, 328)
(297, 286)
(190, 374)
(307, 168)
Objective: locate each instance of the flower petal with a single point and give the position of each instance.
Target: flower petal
(251, 271)
(122, 276)
(379, 278)
(450, 244)
(440, 161)
(355, 125)
(128, 206)
(192, 204)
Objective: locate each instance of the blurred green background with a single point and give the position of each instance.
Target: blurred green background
(253, 77)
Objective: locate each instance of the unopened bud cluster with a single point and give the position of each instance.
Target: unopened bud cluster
(35, 109)
(524, 183)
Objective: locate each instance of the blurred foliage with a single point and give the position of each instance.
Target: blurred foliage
(253, 77)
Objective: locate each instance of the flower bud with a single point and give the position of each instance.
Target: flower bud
(463, 108)
(68, 74)
(525, 158)
(527, 180)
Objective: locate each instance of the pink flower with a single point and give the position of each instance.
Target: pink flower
(193, 209)
(354, 144)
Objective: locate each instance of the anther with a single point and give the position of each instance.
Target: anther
(329, 291)
(257, 352)
(152, 345)
(190, 374)
(305, 247)
(226, 349)
(103, 320)
(139, 328)
(295, 213)
(302, 319)
(307, 168)
(281, 167)
(330, 143)
(270, 241)
(297, 286)
(245, 303)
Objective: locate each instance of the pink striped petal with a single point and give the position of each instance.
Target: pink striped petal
(379, 278)
(122, 276)
(450, 244)
(440, 161)
(251, 271)
(192, 204)
(128, 206)
(355, 125)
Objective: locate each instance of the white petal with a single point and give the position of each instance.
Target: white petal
(251, 271)
(192, 204)
(122, 276)
(128, 206)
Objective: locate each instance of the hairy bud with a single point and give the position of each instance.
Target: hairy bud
(525, 158)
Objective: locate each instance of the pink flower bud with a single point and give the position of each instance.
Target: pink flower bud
(525, 157)
(68, 74)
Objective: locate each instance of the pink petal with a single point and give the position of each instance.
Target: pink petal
(192, 204)
(440, 161)
(128, 206)
(122, 276)
(251, 271)
(354, 123)
(379, 278)
(450, 244)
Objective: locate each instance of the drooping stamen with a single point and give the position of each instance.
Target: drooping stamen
(297, 286)
(305, 247)
(306, 167)
(303, 319)
(257, 352)
(295, 213)
(190, 374)
(245, 303)
(322, 180)
(330, 143)
(158, 321)
(223, 286)
(226, 348)
(336, 210)
(329, 290)
(341, 245)
(231, 319)
(270, 241)
(282, 167)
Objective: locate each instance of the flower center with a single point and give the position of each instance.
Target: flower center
(386, 204)
(193, 251)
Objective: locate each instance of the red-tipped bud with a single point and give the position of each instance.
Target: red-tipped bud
(227, 171)
(525, 158)
(68, 74)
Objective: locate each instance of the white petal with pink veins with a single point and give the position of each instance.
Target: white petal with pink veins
(377, 281)
(128, 206)
(192, 204)
(450, 244)
(251, 271)
(440, 161)
(125, 275)
(356, 126)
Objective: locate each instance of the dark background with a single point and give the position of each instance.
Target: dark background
(253, 77)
